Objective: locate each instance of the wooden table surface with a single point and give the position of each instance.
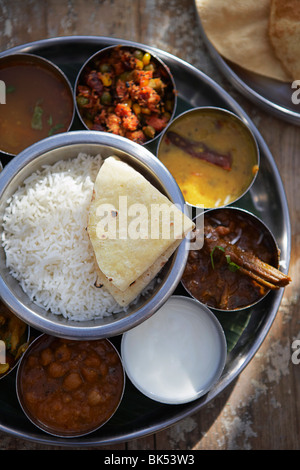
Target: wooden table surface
(261, 409)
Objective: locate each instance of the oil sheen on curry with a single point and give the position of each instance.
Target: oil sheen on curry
(38, 104)
(212, 156)
(71, 387)
(238, 264)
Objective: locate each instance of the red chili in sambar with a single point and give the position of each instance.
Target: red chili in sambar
(70, 387)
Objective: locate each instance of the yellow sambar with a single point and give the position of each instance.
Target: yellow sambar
(212, 155)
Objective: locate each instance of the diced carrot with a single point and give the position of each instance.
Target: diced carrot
(157, 123)
(122, 110)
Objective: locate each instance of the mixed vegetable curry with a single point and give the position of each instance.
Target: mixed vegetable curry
(126, 92)
(12, 337)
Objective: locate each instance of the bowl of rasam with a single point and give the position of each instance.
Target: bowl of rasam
(38, 101)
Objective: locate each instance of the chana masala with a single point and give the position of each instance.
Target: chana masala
(126, 91)
(70, 387)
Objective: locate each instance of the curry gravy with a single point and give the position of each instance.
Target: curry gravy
(38, 105)
(202, 182)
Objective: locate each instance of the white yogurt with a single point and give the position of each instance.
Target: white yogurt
(177, 354)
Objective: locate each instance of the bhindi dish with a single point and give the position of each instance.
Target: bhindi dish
(238, 264)
(13, 337)
(125, 91)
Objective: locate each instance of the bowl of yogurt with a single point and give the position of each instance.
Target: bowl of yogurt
(176, 355)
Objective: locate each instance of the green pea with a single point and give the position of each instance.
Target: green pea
(149, 68)
(105, 98)
(125, 76)
(149, 131)
(138, 54)
(82, 100)
(105, 68)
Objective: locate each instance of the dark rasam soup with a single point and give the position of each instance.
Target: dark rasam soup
(39, 102)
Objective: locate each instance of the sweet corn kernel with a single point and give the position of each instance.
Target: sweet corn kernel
(106, 79)
(136, 108)
(146, 58)
(139, 64)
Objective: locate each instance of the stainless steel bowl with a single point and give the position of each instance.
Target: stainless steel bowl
(159, 64)
(265, 236)
(28, 363)
(36, 62)
(63, 146)
(206, 112)
(22, 346)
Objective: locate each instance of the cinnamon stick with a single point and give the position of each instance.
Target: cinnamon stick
(200, 150)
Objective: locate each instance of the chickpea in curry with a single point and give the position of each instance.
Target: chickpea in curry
(71, 386)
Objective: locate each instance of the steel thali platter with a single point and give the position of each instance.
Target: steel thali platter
(137, 415)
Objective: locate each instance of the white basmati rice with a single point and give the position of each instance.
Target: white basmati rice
(46, 243)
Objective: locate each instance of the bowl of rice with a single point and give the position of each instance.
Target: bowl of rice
(47, 271)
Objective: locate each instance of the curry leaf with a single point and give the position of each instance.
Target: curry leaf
(231, 265)
(212, 255)
(36, 121)
(10, 89)
(55, 128)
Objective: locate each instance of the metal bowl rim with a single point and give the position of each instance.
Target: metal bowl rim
(139, 153)
(107, 49)
(222, 360)
(43, 61)
(237, 119)
(268, 231)
(43, 427)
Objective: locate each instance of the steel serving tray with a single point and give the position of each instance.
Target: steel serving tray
(137, 415)
(269, 94)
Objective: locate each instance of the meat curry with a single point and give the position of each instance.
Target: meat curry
(238, 263)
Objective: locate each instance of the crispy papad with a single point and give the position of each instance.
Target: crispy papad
(284, 32)
(127, 249)
(239, 32)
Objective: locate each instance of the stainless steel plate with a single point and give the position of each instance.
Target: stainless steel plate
(269, 94)
(137, 415)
